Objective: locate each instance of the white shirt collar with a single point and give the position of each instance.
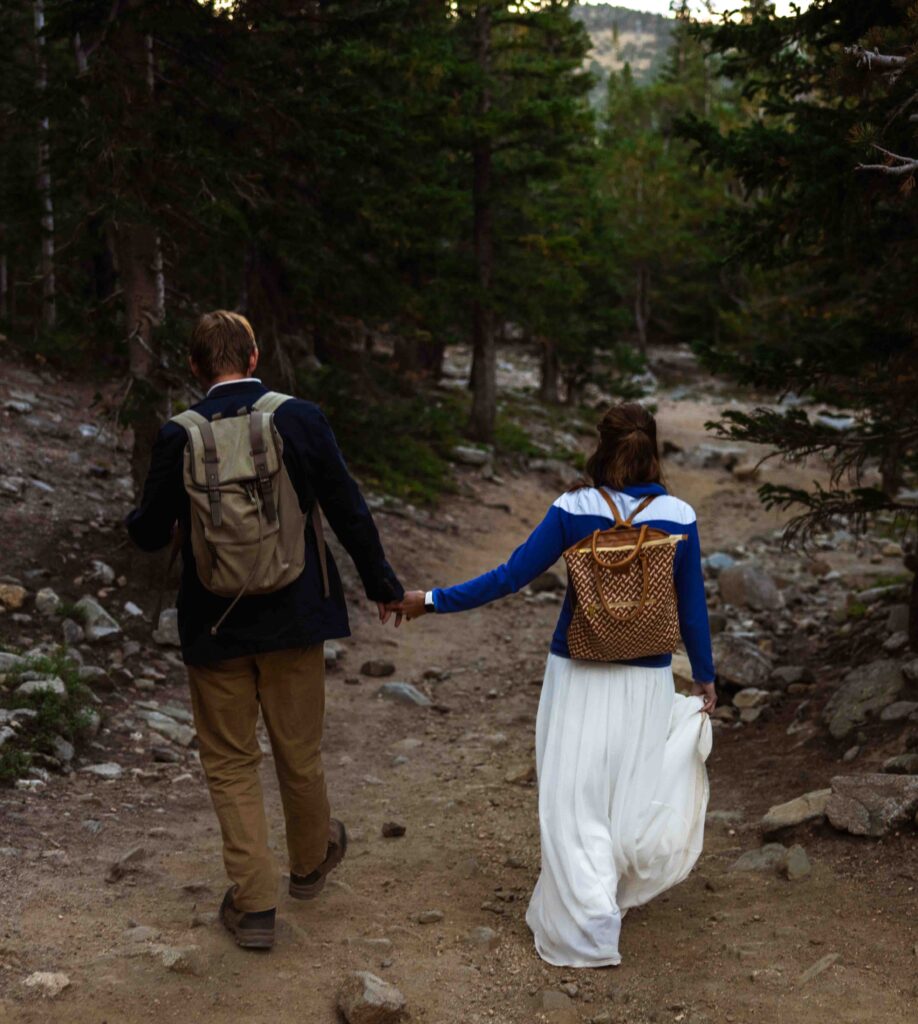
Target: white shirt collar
(224, 383)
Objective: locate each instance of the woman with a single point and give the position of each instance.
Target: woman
(620, 755)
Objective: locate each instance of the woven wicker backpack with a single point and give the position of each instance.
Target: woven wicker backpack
(623, 591)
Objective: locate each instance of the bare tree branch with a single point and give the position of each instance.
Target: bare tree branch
(906, 164)
(874, 60)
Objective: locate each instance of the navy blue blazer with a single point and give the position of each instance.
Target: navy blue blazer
(298, 615)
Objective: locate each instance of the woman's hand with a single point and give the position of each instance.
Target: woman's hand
(412, 605)
(708, 692)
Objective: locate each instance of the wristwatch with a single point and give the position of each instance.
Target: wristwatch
(429, 605)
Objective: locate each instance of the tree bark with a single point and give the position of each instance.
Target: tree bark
(484, 357)
(642, 306)
(43, 177)
(548, 386)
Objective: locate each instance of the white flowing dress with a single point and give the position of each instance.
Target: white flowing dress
(623, 792)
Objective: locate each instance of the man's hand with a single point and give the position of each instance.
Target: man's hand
(386, 612)
(708, 692)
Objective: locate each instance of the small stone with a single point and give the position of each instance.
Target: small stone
(797, 865)
(821, 965)
(47, 983)
(484, 937)
(366, 999)
(899, 711)
(377, 668)
(393, 830)
(430, 917)
(47, 602)
(403, 693)
(178, 959)
(165, 755)
(12, 597)
(851, 753)
(897, 619)
(469, 456)
(166, 726)
(106, 770)
(63, 749)
(547, 582)
(896, 643)
(766, 858)
(133, 610)
(552, 1000)
(902, 764)
(167, 632)
(521, 775)
(127, 864)
(46, 684)
(809, 807)
(102, 572)
(717, 561)
(333, 653)
(750, 715)
(72, 633)
(97, 623)
(8, 661)
(141, 933)
(751, 698)
(785, 676)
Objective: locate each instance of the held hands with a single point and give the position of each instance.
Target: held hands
(410, 607)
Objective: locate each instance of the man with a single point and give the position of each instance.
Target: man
(268, 650)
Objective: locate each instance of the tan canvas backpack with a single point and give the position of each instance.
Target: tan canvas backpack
(623, 591)
(248, 533)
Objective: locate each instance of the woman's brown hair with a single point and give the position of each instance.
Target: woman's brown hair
(627, 452)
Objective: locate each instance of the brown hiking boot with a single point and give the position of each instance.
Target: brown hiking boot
(307, 887)
(251, 930)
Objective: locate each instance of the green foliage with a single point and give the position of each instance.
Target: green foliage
(68, 715)
(824, 252)
(395, 440)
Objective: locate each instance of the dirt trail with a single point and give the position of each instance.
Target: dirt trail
(723, 947)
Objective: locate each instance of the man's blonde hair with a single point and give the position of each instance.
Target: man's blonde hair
(222, 342)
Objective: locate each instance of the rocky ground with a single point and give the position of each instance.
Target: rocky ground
(803, 905)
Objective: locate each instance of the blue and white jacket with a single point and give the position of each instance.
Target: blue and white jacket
(570, 519)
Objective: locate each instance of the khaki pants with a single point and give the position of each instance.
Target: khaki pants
(290, 686)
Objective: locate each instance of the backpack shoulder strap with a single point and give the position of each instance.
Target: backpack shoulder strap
(616, 515)
(640, 508)
(271, 402)
(189, 419)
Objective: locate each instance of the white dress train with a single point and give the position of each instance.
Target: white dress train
(623, 793)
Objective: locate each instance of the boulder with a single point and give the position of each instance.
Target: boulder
(872, 804)
(789, 675)
(740, 663)
(403, 693)
(97, 623)
(896, 643)
(909, 670)
(809, 807)
(366, 999)
(465, 455)
(864, 691)
(8, 661)
(747, 586)
(166, 632)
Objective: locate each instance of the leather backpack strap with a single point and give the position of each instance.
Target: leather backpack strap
(641, 507)
(616, 515)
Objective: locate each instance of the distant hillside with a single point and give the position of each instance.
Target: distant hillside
(624, 37)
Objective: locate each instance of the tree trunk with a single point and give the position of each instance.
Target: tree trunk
(43, 177)
(484, 356)
(548, 386)
(642, 306)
